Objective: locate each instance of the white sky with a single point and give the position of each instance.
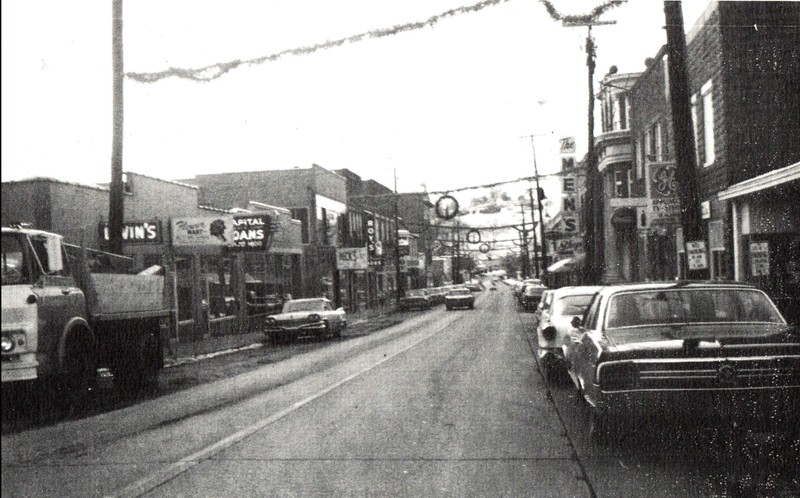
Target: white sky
(444, 106)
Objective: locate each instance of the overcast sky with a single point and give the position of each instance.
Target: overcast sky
(444, 105)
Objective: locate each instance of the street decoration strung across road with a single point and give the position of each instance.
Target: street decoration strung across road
(447, 207)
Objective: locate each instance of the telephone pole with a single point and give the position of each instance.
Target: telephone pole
(685, 159)
(594, 242)
(535, 250)
(116, 204)
(539, 197)
(397, 274)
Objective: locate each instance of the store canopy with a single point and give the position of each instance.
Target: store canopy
(567, 264)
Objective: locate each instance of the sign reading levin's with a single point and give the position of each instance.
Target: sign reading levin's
(137, 232)
(251, 232)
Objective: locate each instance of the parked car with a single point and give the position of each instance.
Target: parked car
(459, 298)
(299, 318)
(474, 286)
(546, 300)
(531, 296)
(695, 351)
(556, 310)
(436, 295)
(415, 300)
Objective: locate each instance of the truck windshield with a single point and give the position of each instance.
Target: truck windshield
(15, 267)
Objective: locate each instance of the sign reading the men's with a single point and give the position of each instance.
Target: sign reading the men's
(137, 232)
(251, 232)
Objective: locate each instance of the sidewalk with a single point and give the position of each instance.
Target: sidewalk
(210, 347)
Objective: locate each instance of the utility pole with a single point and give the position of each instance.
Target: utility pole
(397, 274)
(116, 205)
(535, 250)
(685, 158)
(539, 196)
(524, 252)
(594, 241)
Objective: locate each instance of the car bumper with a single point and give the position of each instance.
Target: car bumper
(299, 331)
(765, 404)
(551, 355)
(20, 367)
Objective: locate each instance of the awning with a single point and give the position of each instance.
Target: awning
(567, 264)
(767, 180)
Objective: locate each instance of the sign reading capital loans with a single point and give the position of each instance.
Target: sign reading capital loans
(759, 258)
(251, 232)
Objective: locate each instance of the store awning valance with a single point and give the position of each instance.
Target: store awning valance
(567, 264)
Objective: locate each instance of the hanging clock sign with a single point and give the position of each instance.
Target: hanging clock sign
(473, 237)
(446, 207)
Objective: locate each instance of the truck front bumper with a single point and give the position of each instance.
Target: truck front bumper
(19, 367)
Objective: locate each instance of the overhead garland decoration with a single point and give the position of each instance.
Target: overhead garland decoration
(446, 207)
(581, 18)
(214, 71)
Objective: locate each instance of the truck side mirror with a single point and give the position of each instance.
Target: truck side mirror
(576, 322)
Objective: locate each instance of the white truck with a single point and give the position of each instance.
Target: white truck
(70, 327)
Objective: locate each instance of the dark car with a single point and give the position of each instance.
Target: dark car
(474, 286)
(313, 317)
(696, 352)
(531, 296)
(459, 298)
(415, 300)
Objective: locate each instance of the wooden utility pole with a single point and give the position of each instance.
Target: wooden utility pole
(116, 205)
(397, 274)
(594, 221)
(683, 133)
(535, 250)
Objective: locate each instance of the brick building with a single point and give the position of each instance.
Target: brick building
(211, 281)
(314, 196)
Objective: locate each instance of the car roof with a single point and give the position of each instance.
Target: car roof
(676, 284)
(308, 300)
(575, 290)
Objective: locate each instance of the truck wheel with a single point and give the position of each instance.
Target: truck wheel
(142, 373)
(78, 375)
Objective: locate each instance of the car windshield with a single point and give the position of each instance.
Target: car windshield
(314, 305)
(690, 306)
(460, 292)
(571, 305)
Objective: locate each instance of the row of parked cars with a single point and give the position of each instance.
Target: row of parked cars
(452, 296)
(684, 351)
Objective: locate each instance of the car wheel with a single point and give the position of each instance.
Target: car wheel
(449, 308)
(337, 332)
(472, 306)
(78, 375)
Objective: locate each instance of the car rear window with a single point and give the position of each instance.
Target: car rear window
(690, 306)
(572, 305)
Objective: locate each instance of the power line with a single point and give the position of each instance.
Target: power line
(214, 71)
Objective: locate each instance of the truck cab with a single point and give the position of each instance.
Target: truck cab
(41, 303)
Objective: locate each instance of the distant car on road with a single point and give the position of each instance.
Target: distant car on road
(474, 286)
(299, 318)
(556, 311)
(415, 299)
(459, 298)
(696, 352)
(531, 296)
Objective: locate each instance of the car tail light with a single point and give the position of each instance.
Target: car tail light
(616, 376)
(314, 317)
(549, 333)
(270, 320)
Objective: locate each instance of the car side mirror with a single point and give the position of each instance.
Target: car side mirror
(576, 322)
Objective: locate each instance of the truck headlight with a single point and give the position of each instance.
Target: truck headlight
(7, 344)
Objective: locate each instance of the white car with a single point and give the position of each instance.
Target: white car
(313, 317)
(558, 309)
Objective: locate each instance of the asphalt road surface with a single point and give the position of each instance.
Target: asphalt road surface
(442, 404)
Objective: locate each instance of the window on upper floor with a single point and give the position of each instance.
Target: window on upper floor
(703, 121)
(622, 181)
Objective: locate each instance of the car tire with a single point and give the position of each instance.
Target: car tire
(78, 376)
(449, 308)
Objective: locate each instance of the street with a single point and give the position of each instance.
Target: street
(446, 403)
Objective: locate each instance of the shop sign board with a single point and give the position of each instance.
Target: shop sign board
(251, 232)
(137, 232)
(759, 258)
(352, 258)
(207, 231)
(696, 255)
